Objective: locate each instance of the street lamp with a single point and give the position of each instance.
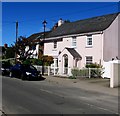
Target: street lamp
(16, 41)
(44, 24)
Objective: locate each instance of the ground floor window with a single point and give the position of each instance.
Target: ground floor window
(89, 60)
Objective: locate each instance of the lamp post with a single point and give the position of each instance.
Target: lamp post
(16, 40)
(44, 24)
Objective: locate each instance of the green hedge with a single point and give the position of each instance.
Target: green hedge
(33, 61)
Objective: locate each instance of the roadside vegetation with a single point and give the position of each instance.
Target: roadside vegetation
(90, 71)
(19, 52)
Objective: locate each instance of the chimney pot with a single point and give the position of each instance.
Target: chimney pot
(60, 22)
(5, 45)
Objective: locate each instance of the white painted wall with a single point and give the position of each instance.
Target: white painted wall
(115, 74)
(61, 62)
(107, 69)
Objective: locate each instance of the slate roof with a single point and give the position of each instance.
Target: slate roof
(74, 53)
(38, 35)
(94, 24)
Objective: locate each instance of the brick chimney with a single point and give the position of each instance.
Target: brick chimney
(5, 45)
(55, 26)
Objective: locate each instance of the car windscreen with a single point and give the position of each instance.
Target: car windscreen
(29, 67)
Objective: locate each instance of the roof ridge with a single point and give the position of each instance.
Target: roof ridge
(94, 17)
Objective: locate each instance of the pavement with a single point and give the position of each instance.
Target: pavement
(91, 84)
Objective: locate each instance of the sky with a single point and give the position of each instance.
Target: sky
(30, 15)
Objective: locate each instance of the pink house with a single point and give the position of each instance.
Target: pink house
(82, 42)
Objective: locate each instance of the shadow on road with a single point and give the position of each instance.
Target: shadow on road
(40, 79)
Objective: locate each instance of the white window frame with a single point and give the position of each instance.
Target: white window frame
(89, 43)
(74, 41)
(90, 61)
(55, 45)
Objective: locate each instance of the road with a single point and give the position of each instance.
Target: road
(45, 97)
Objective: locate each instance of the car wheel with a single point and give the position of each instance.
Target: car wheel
(29, 79)
(22, 77)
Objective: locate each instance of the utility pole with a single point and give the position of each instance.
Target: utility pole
(16, 30)
(16, 40)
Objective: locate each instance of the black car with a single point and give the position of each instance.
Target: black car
(24, 72)
(5, 68)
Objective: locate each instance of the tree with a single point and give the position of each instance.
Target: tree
(24, 54)
(20, 47)
(10, 53)
(48, 60)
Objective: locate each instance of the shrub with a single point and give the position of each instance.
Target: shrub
(27, 61)
(93, 65)
(75, 72)
(94, 72)
(97, 72)
(71, 77)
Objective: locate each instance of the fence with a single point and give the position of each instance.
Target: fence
(48, 70)
(85, 72)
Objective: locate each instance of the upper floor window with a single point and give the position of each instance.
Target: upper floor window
(89, 59)
(89, 41)
(55, 44)
(74, 41)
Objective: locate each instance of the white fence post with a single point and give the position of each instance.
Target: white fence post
(89, 69)
(54, 70)
(48, 70)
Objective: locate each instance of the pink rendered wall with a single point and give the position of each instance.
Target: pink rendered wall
(119, 36)
(110, 44)
(49, 50)
(96, 50)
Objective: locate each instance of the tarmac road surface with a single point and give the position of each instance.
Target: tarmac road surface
(47, 97)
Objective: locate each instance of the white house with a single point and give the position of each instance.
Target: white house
(37, 48)
(82, 42)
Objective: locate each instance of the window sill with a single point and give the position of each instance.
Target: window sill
(74, 47)
(54, 50)
(88, 46)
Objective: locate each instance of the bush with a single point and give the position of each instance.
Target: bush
(80, 72)
(33, 61)
(71, 77)
(94, 72)
(93, 65)
(75, 72)
(48, 60)
(97, 72)
(27, 61)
